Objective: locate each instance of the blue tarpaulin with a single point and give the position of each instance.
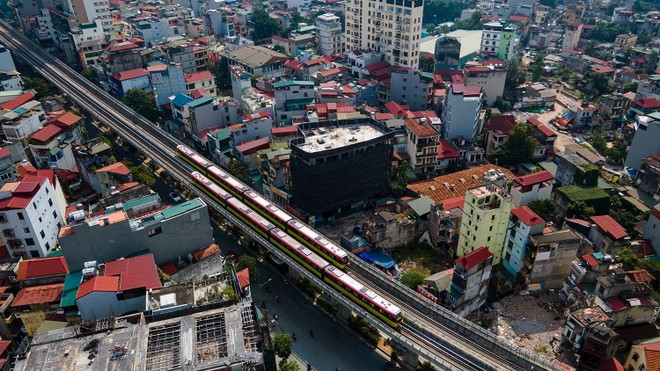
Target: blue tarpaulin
(377, 257)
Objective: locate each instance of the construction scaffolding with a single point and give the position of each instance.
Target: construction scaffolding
(164, 346)
(251, 334)
(211, 341)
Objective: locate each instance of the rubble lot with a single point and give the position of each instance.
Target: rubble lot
(534, 323)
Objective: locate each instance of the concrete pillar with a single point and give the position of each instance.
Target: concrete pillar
(408, 359)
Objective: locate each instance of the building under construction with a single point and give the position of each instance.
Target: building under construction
(221, 338)
(339, 165)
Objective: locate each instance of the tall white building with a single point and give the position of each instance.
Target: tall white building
(328, 33)
(31, 214)
(462, 114)
(391, 27)
(166, 80)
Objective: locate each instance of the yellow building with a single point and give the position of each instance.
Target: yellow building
(485, 220)
(644, 356)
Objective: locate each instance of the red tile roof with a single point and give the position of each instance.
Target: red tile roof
(38, 295)
(590, 260)
(116, 168)
(98, 284)
(284, 131)
(616, 304)
(130, 74)
(474, 258)
(652, 354)
(446, 150)
(66, 119)
(420, 130)
(467, 91)
(534, 178)
(135, 273)
(453, 203)
(503, 123)
(252, 146)
(646, 103)
(518, 18)
(4, 153)
(197, 76)
(41, 267)
(640, 276)
(207, 252)
(527, 216)
(169, 268)
(396, 109)
(435, 188)
(546, 131)
(4, 344)
(383, 116)
(17, 102)
(279, 38)
(198, 93)
(378, 66)
(610, 226)
(243, 278)
(46, 134)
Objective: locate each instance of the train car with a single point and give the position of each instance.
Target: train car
(312, 239)
(217, 193)
(228, 182)
(367, 299)
(298, 252)
(258, 223)
(193, 158)
(266, 208)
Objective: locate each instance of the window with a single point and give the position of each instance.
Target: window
(488, 239)
(34, 253)
(47, 191)
(29, 241)
(42, 234)
(47, 246)
(55, 214)
(34, 205)
(50, 202)
(635, 357)
(507, 256)
(155, 231)
(510, 244)
(26, 230)
(490, 229)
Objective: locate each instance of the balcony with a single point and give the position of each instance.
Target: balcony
(8, 233)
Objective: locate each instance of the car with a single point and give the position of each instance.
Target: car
(578, 140)
(175, 197)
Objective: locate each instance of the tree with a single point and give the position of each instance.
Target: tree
(439, 11)
(597, 83)
(221, 72)
(89, 74)
(515, 74)
(413, 278)
(539, 63)
(519, 148)
(400, 179)
(580, 210)
(548, 3)
(430, 27)
(246, 261)
(282, 344)
(631, 86)
(289, 366)
(599, 143)
(143, 174)
(544, 208)
(263, 25)
(41, 86)
(240, 170)
(142, 103)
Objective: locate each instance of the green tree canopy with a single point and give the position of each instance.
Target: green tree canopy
(221, 72)
(537, 68)
(596, 83)
(89, 73)
(400, 179)
(143, 174)
(142, 103)
(41, 86)
(519, 148)
(580, 210)
(544, 208)
(240, 170)
(282, 344)
(246, 261)
(413, 278)
(439, 11)
(515, 73)
(263, 25)
(289, 366)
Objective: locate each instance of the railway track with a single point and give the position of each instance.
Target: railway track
(160, 146)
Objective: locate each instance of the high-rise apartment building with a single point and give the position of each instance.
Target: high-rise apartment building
(392, 27)
(485, 220)
(328, 33)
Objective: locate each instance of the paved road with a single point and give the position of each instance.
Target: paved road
(332, 346)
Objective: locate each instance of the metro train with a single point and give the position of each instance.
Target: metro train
(280, 218)
(333, 276)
